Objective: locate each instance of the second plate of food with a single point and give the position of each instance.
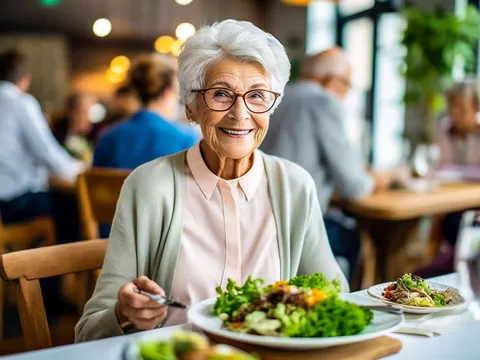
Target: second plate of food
(417, 296)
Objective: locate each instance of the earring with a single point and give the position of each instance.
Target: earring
(192, 123)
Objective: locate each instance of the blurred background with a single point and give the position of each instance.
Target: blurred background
(404, 55)
(87, 47)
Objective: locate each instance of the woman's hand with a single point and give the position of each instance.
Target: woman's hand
(143, 312)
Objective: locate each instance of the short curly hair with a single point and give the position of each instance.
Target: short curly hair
(238, 40)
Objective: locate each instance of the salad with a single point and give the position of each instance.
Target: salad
(412, 290)
(188, 346)
(304, 306)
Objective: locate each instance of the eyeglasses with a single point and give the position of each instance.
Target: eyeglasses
(257, 101)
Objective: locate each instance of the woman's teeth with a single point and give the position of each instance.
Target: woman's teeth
(236, 132)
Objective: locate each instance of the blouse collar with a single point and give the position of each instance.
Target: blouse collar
(208, 181)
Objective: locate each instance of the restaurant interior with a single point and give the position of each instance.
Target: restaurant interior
(366, 116)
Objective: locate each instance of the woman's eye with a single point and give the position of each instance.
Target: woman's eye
(221, 94)
(256, 96)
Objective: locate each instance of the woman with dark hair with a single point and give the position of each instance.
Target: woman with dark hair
(75, 130)
(149, 133)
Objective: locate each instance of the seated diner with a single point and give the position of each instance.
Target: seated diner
(224, 209)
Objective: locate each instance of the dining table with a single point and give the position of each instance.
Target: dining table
(391, 218)
(458, 340)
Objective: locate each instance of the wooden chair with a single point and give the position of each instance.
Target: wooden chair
(25, 233)
(26, 267)
(20, 236)
(98, 192)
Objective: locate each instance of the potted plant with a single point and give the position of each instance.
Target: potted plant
(434, 42)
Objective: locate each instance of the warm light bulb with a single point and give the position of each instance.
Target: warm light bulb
(120, 64)
(184, 31)
(163, 44)
(113, 77)
(176, 47)
(183, 2)
(298, 2)
(102, 27)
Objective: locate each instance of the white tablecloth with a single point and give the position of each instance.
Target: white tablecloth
(462, 344)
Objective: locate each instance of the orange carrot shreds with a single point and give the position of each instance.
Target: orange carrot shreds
(280, 283)
(319, 295)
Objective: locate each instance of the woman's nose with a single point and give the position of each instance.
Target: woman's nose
(239, 110)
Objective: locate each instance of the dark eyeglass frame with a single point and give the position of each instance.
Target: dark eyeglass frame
(237, 95)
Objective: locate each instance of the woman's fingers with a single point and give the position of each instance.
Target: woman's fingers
(139, 301)
(142, 311)
(146, 319)
(145, 284)
(145, 314)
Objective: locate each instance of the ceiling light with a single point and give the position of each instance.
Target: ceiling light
(176, 47)
(102, 27)
(183, 2)
(163, 44)
(120, 64)
(184, 31)
(297, 2)
(113, 77)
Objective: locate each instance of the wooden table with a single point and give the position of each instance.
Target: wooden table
(390, 218)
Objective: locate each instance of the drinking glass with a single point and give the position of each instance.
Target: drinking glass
(425, 161)
(467, 260)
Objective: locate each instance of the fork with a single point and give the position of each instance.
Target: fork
(385, 308)
(163, 300)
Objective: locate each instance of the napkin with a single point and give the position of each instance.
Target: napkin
(434, 324)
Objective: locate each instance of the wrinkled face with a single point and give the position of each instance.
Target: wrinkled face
(463, 113)
(237, 132)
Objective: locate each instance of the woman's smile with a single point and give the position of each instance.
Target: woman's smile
(236, 133)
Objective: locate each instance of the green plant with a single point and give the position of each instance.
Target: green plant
(434, 41)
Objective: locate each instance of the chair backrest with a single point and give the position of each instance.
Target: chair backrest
(26, 267)
(98, 191)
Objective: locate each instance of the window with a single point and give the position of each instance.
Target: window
(389, 119)
(348, 7)
(358, 42)
(321, 23)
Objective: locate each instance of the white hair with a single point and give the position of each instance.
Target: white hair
(322, 65)
(238, 40)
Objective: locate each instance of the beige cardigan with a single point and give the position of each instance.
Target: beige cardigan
(147, 229)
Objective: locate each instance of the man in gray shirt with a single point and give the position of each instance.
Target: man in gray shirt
(308, 129)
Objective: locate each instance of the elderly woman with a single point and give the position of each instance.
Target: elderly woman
(187, 223)
(459, 135)
(459, 143)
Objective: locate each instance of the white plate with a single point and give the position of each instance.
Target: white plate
(201, 316)
(132, 350)
(376, 292)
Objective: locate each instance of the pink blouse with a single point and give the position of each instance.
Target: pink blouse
(229, 232)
